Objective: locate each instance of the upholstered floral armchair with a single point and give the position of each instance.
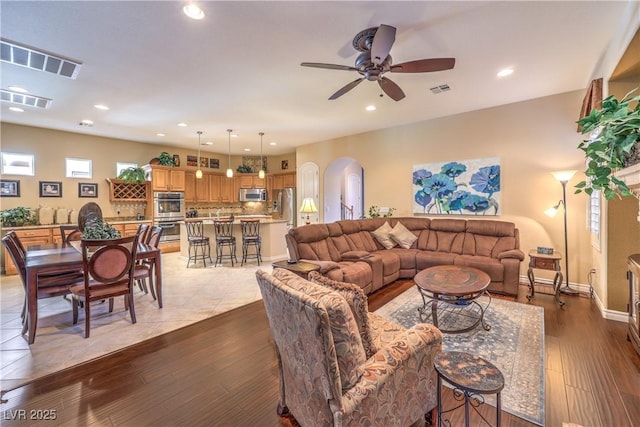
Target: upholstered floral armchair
(341, 365)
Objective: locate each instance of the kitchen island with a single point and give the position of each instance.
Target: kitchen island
(272, 232)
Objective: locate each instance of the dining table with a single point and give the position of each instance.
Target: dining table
(59, 258)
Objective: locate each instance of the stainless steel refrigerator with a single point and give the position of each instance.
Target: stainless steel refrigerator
(284, 203)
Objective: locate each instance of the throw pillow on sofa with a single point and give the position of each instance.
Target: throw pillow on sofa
(402, 236)
(382, 235)
(357, 300)
(350, 352)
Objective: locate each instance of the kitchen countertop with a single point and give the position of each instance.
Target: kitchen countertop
(263, 220)
(112, 221)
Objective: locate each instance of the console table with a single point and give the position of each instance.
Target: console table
(545, 262)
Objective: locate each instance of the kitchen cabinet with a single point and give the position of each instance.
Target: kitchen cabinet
(196, 190)
(284, 180)
(214, 188)
(202, 189)
(32, 236)
(189, 187)
(250, 181)
(165, 178)
(228, 192)
(121, 191)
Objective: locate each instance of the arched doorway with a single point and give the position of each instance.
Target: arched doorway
(343, 190)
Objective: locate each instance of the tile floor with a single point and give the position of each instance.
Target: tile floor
(189, 295)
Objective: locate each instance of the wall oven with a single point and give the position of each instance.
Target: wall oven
(168, 211)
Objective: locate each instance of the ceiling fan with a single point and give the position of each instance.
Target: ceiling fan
(374, 61)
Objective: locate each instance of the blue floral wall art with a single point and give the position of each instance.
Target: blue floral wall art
(467, 187)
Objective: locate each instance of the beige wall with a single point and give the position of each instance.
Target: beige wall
(52, 147)
(531, 138)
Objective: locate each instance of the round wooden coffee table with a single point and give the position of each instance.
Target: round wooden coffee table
(452, 292)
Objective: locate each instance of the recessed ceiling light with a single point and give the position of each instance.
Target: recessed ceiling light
(505, 72)
(234, 135)
(193, 11)
(16, 109)
(273, 143)
(182, 125)
(208, 143)
(370, 108)
(160, 134)
(86, 122)
(101, 107)
(18, 89)
(247, 149)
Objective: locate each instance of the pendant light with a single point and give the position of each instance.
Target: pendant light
(199, 171)
(261, 172)
(229, 170)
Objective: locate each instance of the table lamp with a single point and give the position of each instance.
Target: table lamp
(563, 177)
(308, 206)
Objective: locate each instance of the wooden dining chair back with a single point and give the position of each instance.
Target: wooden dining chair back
(109, 267)
(70, 233)
(198, 242)
(144, 268)
(224, 239)
(251, 238)
(143, 232)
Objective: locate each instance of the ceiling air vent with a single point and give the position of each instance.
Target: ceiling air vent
(440, 88)
(29, 57)
(24, 99)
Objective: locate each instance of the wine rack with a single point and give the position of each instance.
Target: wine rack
(121, 191)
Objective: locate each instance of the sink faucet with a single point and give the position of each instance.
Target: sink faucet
(218, 214)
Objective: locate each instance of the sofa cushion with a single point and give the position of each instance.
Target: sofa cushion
(402, 236)
(350, 352)
(357, 300)
(382, 235)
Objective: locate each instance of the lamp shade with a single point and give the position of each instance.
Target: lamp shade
(563, 176)
(308, 206)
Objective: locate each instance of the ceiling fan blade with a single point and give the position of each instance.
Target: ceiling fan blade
(346, 88)
(392, 90)
(424, 65)
(328, 66)
(382, 42)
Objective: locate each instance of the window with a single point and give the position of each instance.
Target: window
(78, 168)
(594, 218)
(120, 166)
(17, 164)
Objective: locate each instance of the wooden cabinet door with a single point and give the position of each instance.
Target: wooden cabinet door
(269, 179)
(160, 180)
(214, 188)
(245, 181)
(278, 182)
(289, 180)
(176, 180)
(259, 183)
(202, 189)
(227, 187)
(189, 187)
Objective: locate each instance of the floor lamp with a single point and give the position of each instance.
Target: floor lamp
(563, 177)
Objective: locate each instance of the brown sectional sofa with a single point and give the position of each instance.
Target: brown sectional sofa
(348, 251)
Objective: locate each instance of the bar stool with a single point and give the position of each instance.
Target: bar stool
(197, 240)
(224, 238)
(251, 236)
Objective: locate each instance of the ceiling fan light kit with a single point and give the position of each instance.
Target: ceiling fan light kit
(374, 61)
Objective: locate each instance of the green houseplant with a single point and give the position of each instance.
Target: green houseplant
(99, 230)
(617, 129)
(133, 175)
(166, 159)
(17, 216)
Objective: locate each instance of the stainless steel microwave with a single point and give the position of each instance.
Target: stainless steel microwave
(253, 195)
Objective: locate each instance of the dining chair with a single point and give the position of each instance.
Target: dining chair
(197, 241)
(109, 267)
(224, 239)
(144, 268)
(70, 233)
(251, 237)
(143, 232)
(49, 285)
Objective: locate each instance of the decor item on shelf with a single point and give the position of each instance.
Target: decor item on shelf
(229, 170)
(166, 159)
(97, 229)
(89, 212)
(308, 206)
(17, 216)
(176, 160)
(199, 171)
(614, 129)
(261, 173)
(133, 175)
(563, 177)
(376, 212)
(243, 169)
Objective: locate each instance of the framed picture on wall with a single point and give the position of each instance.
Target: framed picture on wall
(50, 189)
(214, 163)
(86, 189)
(9, 188)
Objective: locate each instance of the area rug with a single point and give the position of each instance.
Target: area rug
(515, 344)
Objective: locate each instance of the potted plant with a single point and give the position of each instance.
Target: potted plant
(17, 216)
(166, 159)
(99, 230)
(133, 175)
(616, 128)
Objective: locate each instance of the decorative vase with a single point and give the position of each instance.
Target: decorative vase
(176, 160)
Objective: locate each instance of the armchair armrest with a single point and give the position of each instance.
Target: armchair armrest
(513, 253)
(355, 255)
(401, 374)
(325, 266)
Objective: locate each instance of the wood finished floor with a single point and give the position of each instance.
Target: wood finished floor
(222, 372)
